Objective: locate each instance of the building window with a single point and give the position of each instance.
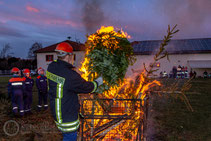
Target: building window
(49, 58)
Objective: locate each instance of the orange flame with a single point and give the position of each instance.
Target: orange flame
(128, 89)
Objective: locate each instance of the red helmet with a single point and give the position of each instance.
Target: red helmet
(26, 71)
(14, 70)
(64, 47)
(40, 69)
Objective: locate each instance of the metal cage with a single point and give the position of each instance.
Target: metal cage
(101, 117)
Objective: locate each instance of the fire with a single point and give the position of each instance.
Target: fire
(111, 29)
(84, 69)
(130, 88)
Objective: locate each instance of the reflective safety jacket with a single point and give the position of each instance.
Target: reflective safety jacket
(64, 85)
(16, 85)
(41, 83)
(29, 83)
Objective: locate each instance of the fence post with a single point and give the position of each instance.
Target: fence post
(146, 104)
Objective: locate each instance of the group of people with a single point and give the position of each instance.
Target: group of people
(62, 84)
(177, 72)
(182, 72)
(20, 91)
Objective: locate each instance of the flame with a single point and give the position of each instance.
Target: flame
(83, 69)
(128, 89)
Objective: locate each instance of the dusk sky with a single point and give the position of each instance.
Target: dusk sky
(22, 22)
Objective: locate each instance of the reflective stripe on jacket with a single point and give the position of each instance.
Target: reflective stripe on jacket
(64, 85)
(41, 83)
(16, 85)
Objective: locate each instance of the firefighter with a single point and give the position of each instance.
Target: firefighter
(191, 73)
(179, 71)
(205, 74)
(194, 74)
(165, 75)
(64, 85)
(42, 86)
(182, 72)
(186, 72)
(15, 91)
(161, 74)
(174, 70)
(29, 83)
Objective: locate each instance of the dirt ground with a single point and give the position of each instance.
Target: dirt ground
(168, 118)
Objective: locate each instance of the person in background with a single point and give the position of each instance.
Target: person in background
(186, 72)
(161, 74)
(183, 72)
(194, 74)
(174, 70)
(205, 74)
(29, 83)
(16, 88)
(191, 74)
(165, 75)
(42, 86)
(171, 74)
(179, 71)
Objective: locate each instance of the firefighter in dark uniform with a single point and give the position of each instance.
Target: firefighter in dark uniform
(29, 83)
(15, 91)
(42, 86)
(64, 85)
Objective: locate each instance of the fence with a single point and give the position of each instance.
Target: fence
(103, 119)
(5, 72)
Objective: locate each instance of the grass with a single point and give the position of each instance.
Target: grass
(39, 126)
(3, 89)
(175, 122)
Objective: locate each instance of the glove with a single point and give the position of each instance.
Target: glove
(99, 80)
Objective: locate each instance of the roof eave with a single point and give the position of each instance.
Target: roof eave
(171, 53)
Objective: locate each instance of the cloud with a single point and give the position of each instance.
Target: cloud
(41, 19)
(32, 9)
(8, 31)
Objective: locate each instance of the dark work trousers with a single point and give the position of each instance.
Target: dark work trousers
(43, 99)
(27, 101)
(17, 103)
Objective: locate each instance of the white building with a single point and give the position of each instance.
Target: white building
(194, 54)
(46, 55)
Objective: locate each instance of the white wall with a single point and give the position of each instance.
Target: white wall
(165, 65)
(79, 58)
(41, 59)
(175, 60)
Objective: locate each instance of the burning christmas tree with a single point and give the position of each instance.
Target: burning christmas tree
(109, 54)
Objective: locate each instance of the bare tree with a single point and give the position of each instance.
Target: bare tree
(34, 47)
(5, 52)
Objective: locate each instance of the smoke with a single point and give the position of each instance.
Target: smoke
(92, 14)
(190, 15)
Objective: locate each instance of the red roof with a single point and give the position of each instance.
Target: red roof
(76, 47)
